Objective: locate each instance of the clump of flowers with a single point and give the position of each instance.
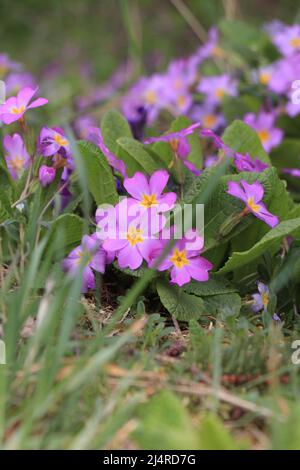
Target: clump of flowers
(136, 231)
(135, 236)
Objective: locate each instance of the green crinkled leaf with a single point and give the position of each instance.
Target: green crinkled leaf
(228, 304)
(114, 126)
(214, 286)
(101, 183)
(69, 228)
(218, 295)
(240, 137)
(133, 273)
(270, 241)
(183, 306)
(135, 156)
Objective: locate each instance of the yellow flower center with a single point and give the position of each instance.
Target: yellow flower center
(17, 163)
(179, 258)
(220, 93)
(295, 42)
(252, 205)
(264, 78)
(19, 110)
(209, 120)
(264, 135)
(265, 299)
(150, 97)
(60, 140)
(178, 84)
(217, 52)
(149, 200)
(181, 100)
(84, 258)
(134, 236)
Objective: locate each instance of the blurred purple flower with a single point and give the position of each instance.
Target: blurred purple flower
(17, 80)
(210, 160)
(246, 163)
(7, 65)
(291, 171)
(89, 256)
(264, 74)
(16, 155)
(211, 48)
(215, 88)
(263, 124)
(276, 317)
(148, 93)
(208, 115)
(287, 40)
(82, 126)
(284, 73)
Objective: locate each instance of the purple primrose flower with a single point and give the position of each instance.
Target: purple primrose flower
(252, 195)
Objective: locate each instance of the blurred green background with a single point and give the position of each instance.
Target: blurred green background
(103, 33)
